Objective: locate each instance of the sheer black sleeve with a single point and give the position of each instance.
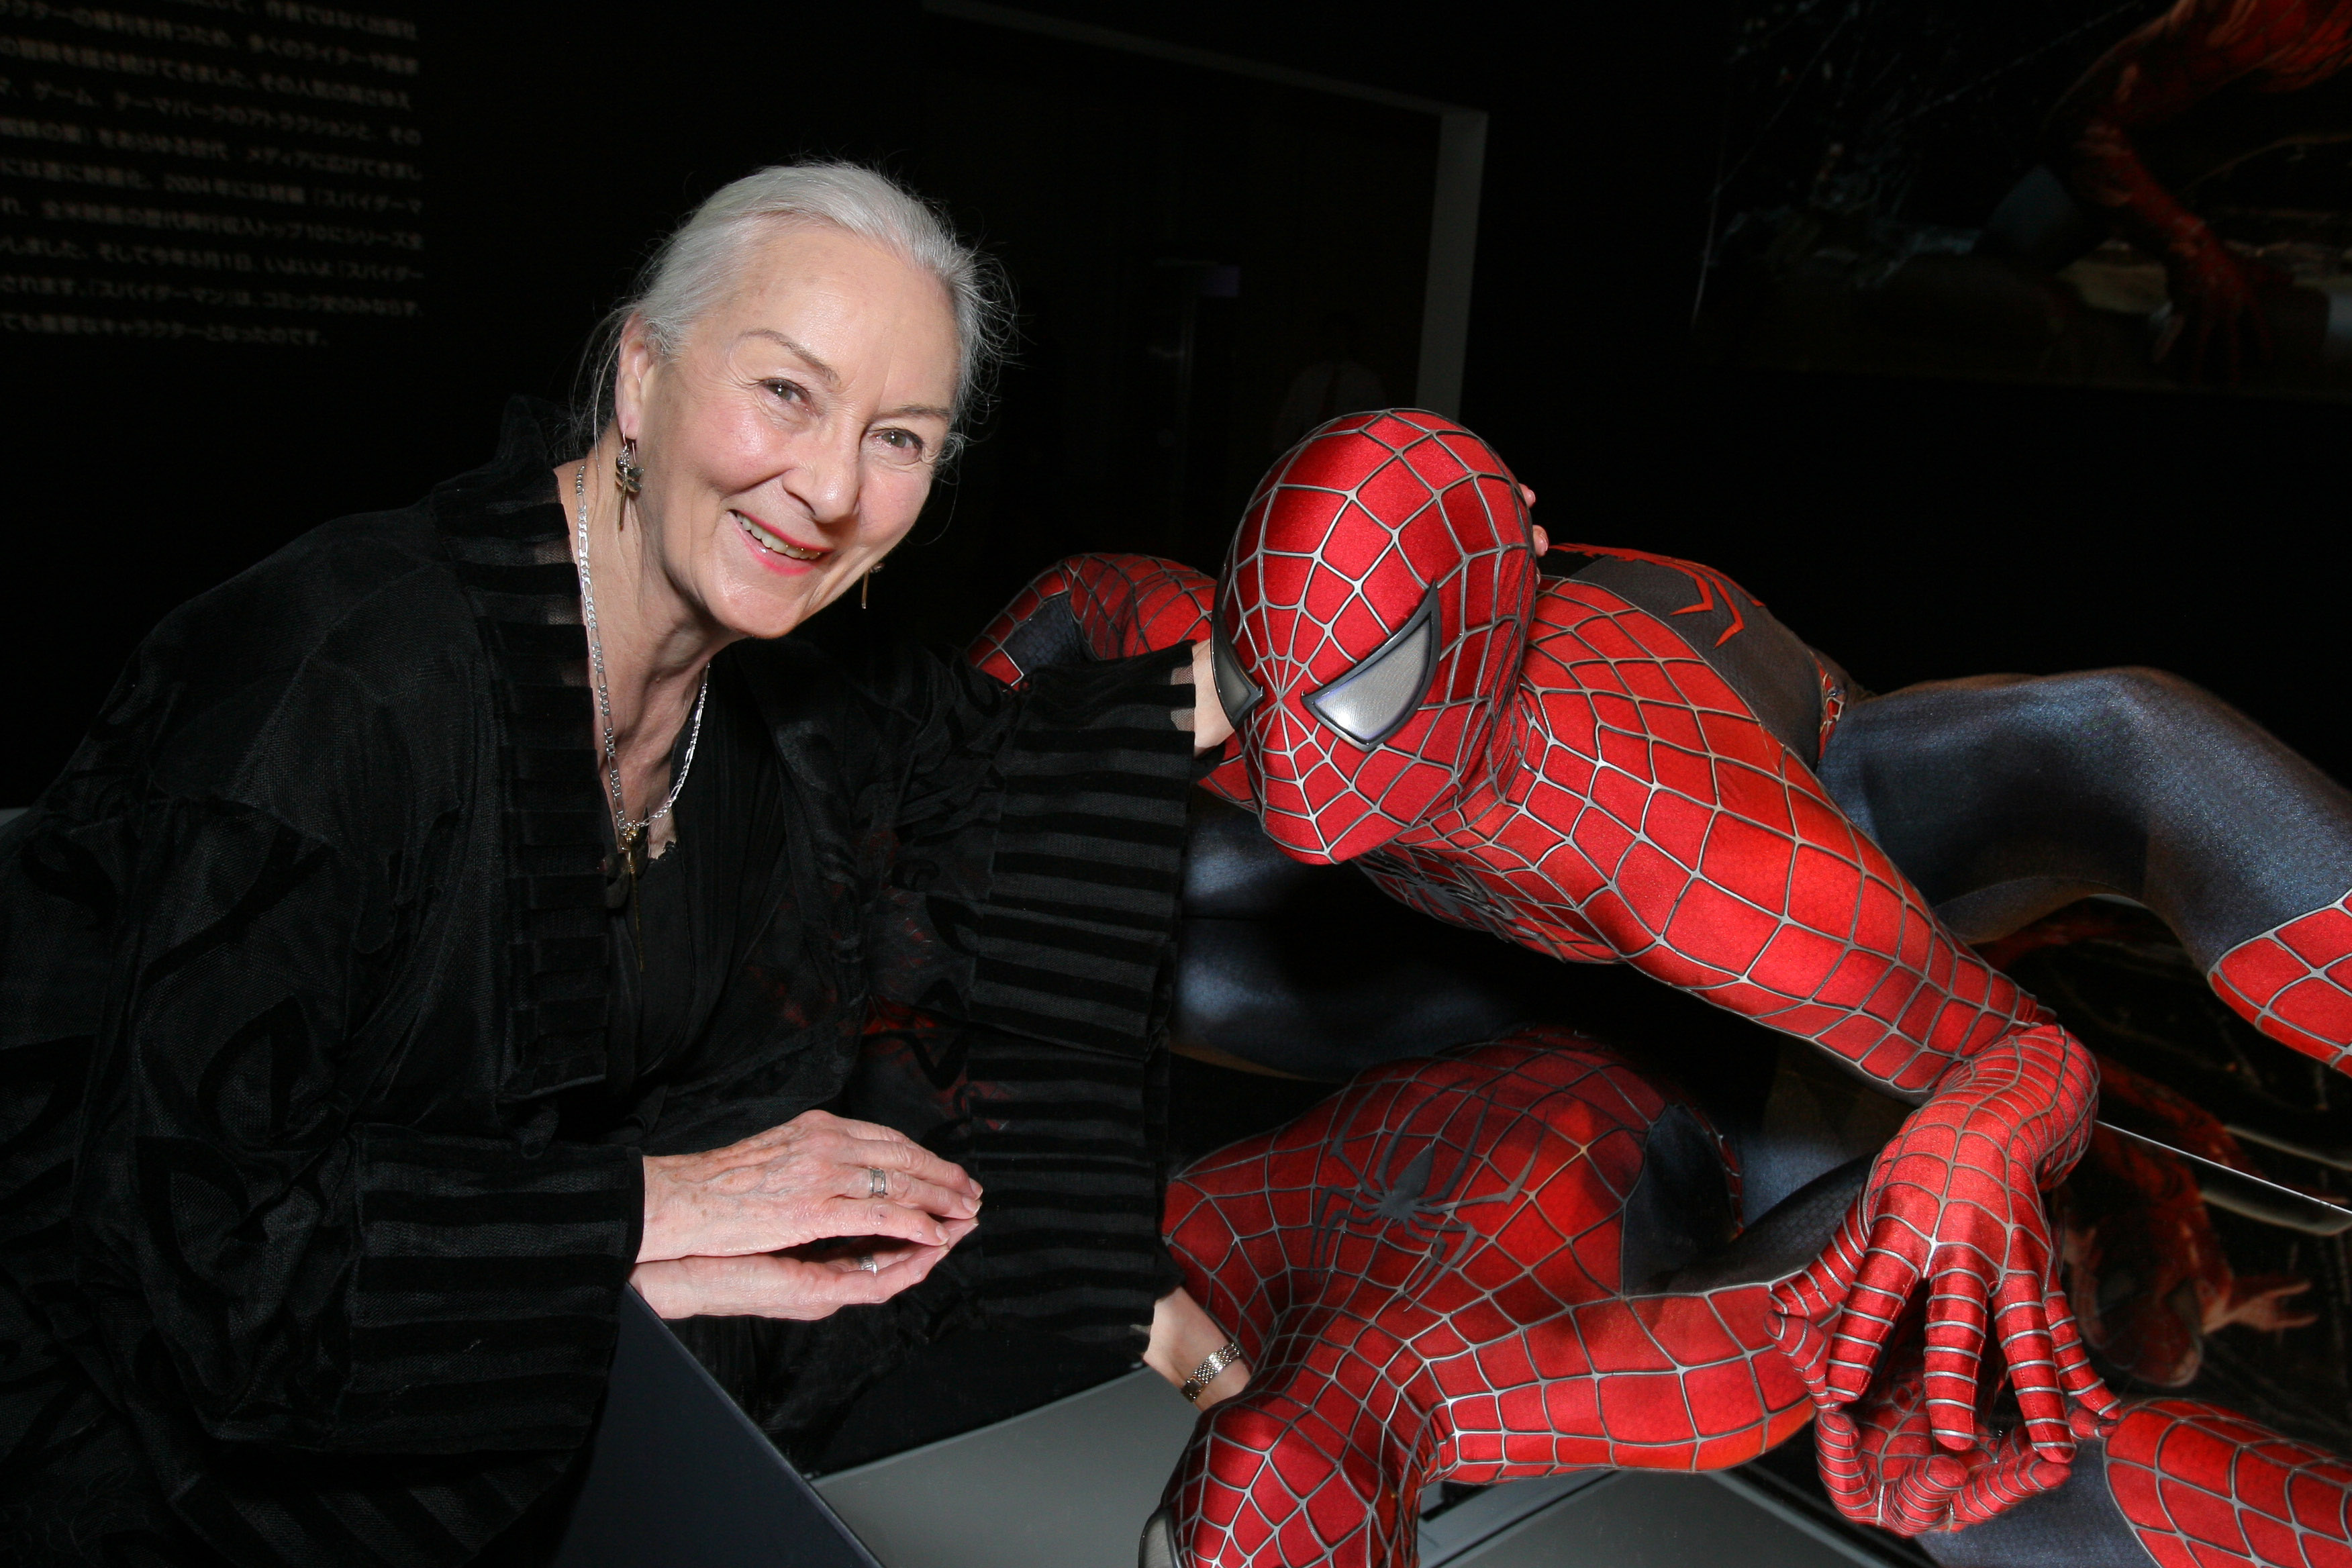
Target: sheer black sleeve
(1060, 899)
(328, 1259)
(1070, 927)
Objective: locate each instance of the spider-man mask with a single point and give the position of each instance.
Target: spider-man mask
(1372, 617)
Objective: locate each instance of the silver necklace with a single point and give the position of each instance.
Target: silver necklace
(625, 829)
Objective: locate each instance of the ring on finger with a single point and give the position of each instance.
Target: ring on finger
(877, 1182)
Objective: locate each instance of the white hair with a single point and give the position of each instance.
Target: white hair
(697, 267)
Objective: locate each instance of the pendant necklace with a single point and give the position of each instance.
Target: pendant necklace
(629, 835)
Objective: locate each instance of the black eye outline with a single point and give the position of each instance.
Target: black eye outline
(1236, 694)
(1417, 635)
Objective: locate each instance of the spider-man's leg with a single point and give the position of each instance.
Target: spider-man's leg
(2178, 1484)
(2004, 797)
(1493, 1264)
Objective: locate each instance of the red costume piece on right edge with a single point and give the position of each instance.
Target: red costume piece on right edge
(2295, 982)
(2202, 1487)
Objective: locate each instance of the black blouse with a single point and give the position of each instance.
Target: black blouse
(319, 1131)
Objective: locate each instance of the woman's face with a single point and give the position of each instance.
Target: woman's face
(790, 442)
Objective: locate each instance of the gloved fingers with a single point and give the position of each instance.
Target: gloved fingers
(2095, 1404)
(2021, 1315)
(1846, 1472)
(1803, 1304)
(2013, 1473)
(1801, 1340)
(1921, 1497)
(1958, 1309)
(1890, 1271)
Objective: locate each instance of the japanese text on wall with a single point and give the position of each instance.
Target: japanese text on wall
(209, 171)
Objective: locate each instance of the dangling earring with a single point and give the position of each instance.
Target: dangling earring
(865, 587)
(627, 472)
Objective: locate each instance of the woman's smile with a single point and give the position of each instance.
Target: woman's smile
(773, 551)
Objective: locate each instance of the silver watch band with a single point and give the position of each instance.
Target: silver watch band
(1208, 1370)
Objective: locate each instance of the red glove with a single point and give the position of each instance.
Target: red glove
(1955, 1201)
(2218, 328)
(1883, 1465)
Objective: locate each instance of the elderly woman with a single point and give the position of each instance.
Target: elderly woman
(463, 914)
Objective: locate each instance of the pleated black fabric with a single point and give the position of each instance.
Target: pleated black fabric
(317, 1186)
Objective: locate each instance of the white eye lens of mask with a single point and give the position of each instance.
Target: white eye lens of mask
(1235, 693)
(1370, 701)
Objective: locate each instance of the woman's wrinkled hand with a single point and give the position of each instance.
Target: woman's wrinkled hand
(809, 1180)
(1183, 1336)
(1211, 729)
(792, 1284)
(1955, 1204)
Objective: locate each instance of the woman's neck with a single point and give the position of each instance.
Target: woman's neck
(656, 644)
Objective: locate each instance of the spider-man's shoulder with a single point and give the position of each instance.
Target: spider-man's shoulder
(1706, 614)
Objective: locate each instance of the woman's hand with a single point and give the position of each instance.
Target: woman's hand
(1955, 1202)
(781, 1285)
(811, 1178)
(1210, 727)
(1183, 1335)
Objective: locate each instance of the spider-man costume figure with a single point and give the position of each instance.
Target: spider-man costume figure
(2124, 122)
(2146, 1272)
(1637, 764)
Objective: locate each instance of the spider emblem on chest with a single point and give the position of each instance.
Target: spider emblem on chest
(1399, 1197)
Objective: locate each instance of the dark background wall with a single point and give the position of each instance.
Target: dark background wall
(1914, 529)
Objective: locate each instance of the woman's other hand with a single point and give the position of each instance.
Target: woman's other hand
(1210, 727)
(1183, 1336)
(783, 1284)
(815, 1177)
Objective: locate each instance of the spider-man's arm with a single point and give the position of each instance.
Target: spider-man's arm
(1095, 607)
(1820, 936)
(2192, 51)
(1105, 606)
(1699, 849)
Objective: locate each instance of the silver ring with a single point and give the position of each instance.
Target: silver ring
(868, 1261)
(877, 1182)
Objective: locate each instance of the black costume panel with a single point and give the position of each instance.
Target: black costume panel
(1776, 675)
(319, 1131)
(1312, 971)
(2004, 797)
